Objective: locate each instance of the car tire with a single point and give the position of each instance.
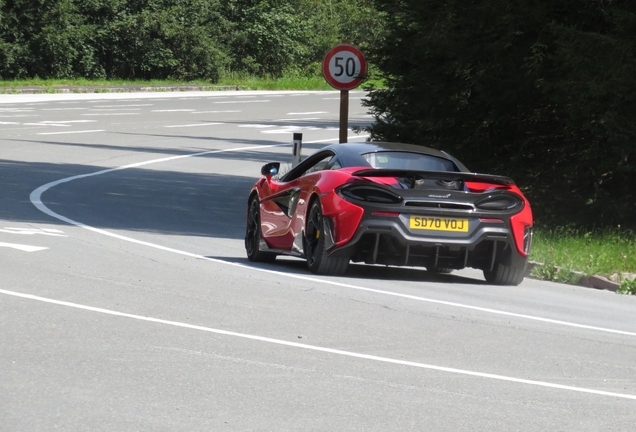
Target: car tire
(253, 234)
(505, 275)
(318, 259)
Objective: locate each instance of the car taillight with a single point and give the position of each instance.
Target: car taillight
(500, 201)
(369, 193)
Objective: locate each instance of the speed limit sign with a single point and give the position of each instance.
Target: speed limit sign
(344, 67)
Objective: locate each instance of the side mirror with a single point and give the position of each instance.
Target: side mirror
(270, 169)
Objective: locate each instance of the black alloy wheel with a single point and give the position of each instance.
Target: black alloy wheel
(318, 259)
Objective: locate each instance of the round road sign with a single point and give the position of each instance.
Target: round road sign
(344, 67)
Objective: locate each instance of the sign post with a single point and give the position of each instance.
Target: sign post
(344, 68)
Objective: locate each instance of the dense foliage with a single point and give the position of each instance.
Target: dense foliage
(177, 39)
(541, 91)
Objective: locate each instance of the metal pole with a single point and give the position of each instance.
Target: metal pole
(344, 115)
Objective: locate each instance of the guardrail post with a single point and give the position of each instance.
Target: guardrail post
(297, 148)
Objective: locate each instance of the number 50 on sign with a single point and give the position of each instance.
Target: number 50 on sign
(344, 67)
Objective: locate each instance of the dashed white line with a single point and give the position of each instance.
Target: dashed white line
(174, 110)
(121, 106)
(192, 125)
(308, 113)
(71, 132)
(216, 112)
(67, 121)
(23, 248)
(110, 114)
(33, 231)
(242, 101)
(297, 119)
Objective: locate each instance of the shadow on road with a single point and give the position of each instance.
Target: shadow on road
(359, 271)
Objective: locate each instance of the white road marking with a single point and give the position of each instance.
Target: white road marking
(8, 123)
(297, 119)
(193, 125)
(67, 121)
(120, 106)
(36, 196)
(308, 113)
(36, 200)
(116, 109)
(217, 112)
(62, 109)
(255, 126)
(45, 124)
(290, 128)
(174, 110)
(242, 101)
(21, 247)
(110, 114)
(320, 349)
(71, 132)
(33, 231)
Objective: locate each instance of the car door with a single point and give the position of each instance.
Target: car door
(283, 212)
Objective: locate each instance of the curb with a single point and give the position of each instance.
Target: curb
(116, 89)
(596, 281)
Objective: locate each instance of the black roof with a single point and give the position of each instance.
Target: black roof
(350, 153)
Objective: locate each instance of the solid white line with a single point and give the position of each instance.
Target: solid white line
(320, 349)
(23, 248)
(36, 199)
(70, 132)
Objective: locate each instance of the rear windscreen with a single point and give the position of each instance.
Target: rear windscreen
(408, 161)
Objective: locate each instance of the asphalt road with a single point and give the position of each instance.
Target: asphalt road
(127, 302)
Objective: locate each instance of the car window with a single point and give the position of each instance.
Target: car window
(317, 162)
(326, 163)
(408, 161)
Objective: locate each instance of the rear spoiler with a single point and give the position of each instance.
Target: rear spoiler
(436, 175)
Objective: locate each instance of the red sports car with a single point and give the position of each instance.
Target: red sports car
(391, 204)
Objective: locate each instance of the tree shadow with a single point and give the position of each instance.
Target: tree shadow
(136, 199)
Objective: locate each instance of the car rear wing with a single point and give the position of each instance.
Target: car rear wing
(436, 175)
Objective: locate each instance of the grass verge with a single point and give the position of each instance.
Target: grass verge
(565, 253)
(243, 82)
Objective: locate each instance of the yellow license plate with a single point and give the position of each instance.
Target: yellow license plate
(439, 223)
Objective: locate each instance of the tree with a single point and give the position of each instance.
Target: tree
(541, 91)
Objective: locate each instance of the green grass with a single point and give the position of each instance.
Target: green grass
(592, 252)
(244, 82)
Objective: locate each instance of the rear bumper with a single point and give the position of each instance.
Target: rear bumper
(388, 240)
